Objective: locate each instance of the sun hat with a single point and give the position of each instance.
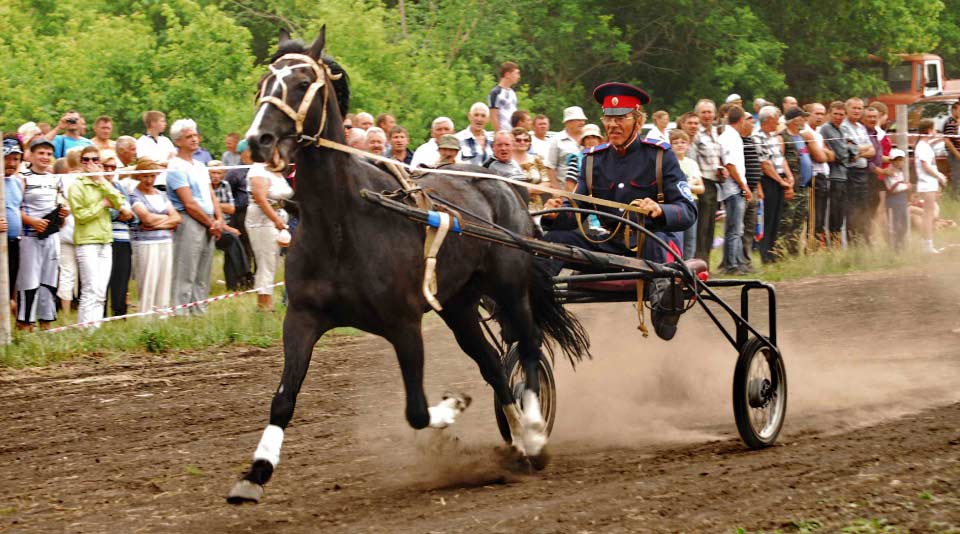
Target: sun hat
(591, 130)
(573, 113)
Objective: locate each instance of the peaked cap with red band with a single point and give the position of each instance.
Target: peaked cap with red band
(619, 98)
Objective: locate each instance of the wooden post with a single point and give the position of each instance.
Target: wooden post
(903, 144)
(4, 271)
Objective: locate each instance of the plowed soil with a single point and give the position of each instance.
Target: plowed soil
(644, 440)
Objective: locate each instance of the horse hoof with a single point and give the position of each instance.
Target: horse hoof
(245, 491)
(540, 461)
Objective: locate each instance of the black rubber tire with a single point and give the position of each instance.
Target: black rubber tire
(548, 391)
(766, 436)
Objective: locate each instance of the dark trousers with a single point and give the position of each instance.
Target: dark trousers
(954, 174)
(238, 221)
(838, 209)
(119, 279)
(858, 205)
(13, 264)
(822, 201)
(706, 220)
(897, 215)
(236, 268)
(772, 206)
(750, 227)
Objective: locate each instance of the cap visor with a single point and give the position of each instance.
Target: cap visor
(617, 111)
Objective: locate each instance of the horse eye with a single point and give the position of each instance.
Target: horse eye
(304, 84)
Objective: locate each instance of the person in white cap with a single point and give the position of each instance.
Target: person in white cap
(734, 98)
(565, 145)
(897, 187)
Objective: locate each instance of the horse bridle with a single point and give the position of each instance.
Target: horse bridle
(320, 70)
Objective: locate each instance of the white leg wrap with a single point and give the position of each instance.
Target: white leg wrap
(534, 427)
(445, 413)
(269, 447)
(516, 427)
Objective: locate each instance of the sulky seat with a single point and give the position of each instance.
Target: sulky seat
(697, 266)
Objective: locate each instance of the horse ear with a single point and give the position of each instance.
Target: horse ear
(284, 36)
(316, 49)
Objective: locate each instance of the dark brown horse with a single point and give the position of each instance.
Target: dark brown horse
(354, 264)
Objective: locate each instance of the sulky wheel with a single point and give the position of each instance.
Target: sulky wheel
(515, 375)
(759, 394)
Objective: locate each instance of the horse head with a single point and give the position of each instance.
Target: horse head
(301, 98)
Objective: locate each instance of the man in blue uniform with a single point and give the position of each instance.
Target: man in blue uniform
(624, 170)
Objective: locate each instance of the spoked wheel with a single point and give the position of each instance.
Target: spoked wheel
(515, 378)
(759, 394)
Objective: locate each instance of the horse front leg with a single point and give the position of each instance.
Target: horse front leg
(408, 343)
(301, 331)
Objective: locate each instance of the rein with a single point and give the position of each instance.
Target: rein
(318, 140)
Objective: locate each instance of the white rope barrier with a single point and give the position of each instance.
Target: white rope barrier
(165, 312)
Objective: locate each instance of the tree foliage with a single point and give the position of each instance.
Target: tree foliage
(422, 58)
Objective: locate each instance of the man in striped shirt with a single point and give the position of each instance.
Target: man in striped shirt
(777, 180)
(752, 174)
(953, 146)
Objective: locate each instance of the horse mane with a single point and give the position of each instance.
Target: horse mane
(341, 86)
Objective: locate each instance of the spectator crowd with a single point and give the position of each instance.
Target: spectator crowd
(80, 225)
(783, 178)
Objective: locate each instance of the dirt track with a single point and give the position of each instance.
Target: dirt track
(644, 440)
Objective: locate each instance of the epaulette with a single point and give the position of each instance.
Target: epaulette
(595, 149)
(657, 143)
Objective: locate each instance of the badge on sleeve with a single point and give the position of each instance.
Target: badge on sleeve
(684, 189)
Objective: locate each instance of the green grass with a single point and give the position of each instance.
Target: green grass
(232, 322)
(851, 259)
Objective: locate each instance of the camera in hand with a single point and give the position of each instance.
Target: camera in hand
(72, 120)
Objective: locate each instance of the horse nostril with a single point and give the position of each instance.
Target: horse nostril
(265, 140)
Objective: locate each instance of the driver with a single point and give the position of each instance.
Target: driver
(624, 170)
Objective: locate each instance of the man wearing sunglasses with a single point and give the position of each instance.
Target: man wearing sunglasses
(625, 170)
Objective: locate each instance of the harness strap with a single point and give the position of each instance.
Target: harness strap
(588, 176)
(660, 198)
(431, 247)
(333, 145)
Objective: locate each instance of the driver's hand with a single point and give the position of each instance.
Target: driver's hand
(650, 207)
(550, 204)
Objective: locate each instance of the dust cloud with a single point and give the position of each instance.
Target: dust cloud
(859, 349)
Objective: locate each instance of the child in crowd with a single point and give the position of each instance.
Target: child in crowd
(591, 137)
(680, 142)
(897, 186)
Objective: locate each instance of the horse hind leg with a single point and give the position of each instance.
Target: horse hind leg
(528, 423)
(301, 331)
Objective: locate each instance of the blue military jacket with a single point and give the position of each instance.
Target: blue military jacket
(632, 175)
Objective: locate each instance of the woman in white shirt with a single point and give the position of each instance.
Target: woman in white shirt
(929, 180)
(265, 221)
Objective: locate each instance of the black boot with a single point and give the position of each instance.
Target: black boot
(666, 306)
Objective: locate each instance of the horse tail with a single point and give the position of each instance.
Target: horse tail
(554, 321)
